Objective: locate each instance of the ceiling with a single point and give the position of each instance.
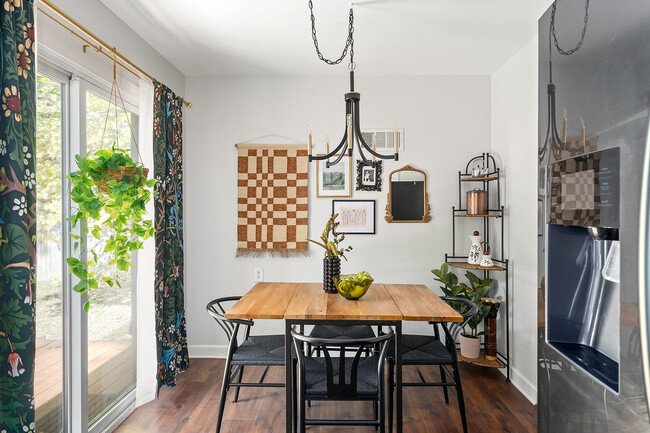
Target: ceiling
(392, 37)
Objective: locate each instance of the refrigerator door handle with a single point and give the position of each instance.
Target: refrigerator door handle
(644, 265)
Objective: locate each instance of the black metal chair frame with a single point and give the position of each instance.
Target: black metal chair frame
(234, 378)
(445, 373)
(343, 391)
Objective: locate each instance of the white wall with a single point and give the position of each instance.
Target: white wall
(97, 18)
(446, 121)
(514, 143)
(58, 46)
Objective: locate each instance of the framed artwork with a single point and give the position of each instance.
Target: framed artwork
(368, 177)
(334, 181)
(355, 216)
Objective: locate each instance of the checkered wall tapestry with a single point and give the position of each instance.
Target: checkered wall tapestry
(272, 200)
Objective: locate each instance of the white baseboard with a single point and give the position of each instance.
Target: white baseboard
(522, 384)
(207, 350)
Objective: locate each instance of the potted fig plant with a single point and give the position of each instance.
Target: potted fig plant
(333, 253)
(470, 342)
(110, 191)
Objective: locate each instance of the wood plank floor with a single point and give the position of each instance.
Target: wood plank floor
(492, 405)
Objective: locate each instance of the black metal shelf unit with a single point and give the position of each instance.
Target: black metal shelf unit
(492, 175)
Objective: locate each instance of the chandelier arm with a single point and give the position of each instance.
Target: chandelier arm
(342, 146)
(542, 152)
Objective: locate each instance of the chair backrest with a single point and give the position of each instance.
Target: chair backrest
(217, 309)
(347, 384)
(465, 307)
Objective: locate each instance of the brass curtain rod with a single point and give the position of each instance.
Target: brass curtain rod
(92, 41)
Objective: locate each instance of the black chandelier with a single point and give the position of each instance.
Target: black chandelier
(353, 130)
(553, 139)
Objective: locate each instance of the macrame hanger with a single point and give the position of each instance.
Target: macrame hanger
(115, 92)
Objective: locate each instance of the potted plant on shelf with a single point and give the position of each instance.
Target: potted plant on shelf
(470, 342)
(110, 191)
(333, 253)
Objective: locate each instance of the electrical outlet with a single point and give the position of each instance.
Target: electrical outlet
(259, 274)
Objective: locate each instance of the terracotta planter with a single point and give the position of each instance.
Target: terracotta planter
(331, 269)
(470, 347)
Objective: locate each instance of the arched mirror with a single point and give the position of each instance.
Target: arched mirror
(408, 201)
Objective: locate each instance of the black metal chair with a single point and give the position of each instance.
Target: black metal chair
(342, 378)
(262, 350)
(340, 331)
(419, 350)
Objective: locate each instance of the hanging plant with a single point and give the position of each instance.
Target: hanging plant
(111, 192)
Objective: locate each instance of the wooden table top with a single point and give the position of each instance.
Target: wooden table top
(418, 303)
(263, 301)
(311, 302)
(308, 301)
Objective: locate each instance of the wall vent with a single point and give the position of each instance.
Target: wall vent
(384, 137)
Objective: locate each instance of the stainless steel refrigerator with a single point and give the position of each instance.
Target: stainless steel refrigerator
(594, 228)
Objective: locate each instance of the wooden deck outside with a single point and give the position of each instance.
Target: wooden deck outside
(110, 372)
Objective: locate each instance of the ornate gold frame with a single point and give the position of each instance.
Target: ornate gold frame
(389, 213)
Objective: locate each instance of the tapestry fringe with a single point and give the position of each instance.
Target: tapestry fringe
(260, 252)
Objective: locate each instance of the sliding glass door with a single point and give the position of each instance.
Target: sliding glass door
(50, 130)
(85, 362)
(111, 318)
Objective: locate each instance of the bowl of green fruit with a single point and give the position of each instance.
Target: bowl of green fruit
(353, 286)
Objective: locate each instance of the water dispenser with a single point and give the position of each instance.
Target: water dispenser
(583, 283)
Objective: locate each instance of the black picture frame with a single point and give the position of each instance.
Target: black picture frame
(347, 210)
(368, 177)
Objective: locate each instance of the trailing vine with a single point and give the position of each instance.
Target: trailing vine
(108, 205)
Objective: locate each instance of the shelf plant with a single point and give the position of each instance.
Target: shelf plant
(476, 291)
(110, 191)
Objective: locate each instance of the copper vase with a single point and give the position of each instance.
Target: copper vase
(477, 202)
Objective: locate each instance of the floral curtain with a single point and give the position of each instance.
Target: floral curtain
(17, 215)
(168, 203)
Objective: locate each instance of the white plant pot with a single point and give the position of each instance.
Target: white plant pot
(470, 347)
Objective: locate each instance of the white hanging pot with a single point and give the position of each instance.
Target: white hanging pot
(486, 259)
(475, 251)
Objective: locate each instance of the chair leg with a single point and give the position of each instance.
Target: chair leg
(443, 378)
(391, 372)
(375, 410)
(222, 398)
(459, 392)
(237, 388)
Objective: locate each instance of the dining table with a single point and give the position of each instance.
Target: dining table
(308, 304)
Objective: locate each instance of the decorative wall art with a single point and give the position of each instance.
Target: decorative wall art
(334, 181)
(272, 200)
(355, 216)
(368, 177)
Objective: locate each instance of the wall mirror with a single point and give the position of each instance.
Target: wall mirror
(408, 201)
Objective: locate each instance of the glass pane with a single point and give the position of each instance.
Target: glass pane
(48, 377)
(111, 318)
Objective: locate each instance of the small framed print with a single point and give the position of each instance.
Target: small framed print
(368, 177)
(355, 216)
(334, 181)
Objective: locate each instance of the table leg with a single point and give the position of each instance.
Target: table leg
(398, 375)
(288, 382)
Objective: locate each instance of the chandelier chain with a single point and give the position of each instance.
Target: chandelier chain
(554, 36)
(349, 43)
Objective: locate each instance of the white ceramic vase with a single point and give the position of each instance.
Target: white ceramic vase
(475, 251)
(486, 257)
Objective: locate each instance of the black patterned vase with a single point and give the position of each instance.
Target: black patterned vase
(331, 269)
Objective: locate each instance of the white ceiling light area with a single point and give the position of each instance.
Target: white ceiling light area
(392, 37)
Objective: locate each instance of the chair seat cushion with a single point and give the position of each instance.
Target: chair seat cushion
(316, 375)
(342, 331)
(422, 350)
(260, 350)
